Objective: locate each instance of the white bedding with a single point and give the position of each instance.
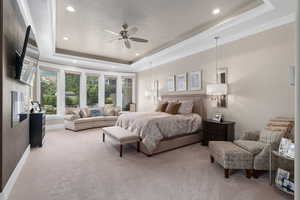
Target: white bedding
(152, 127)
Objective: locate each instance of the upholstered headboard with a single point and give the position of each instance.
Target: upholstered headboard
(198, 99)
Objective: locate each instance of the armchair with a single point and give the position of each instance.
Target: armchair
(259, 144)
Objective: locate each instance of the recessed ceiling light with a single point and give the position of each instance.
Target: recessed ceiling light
(66, 38)
(74, 61)
(137, 54)
(70, 9)
(216, 11)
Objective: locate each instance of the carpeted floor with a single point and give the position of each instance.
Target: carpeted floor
(78, 166)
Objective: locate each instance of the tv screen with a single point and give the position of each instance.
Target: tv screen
(27, 61)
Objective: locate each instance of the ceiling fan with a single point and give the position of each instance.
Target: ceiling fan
(126, 35)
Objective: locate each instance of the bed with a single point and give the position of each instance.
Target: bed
(160, 132)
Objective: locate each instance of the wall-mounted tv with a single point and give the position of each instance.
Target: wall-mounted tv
(27, 60)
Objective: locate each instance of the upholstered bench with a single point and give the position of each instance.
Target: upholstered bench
(230, 156)
(121, 136)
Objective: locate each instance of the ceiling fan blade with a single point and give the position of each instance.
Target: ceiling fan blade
(111, 32)
(115, 39)
(138, 39)
(127, 44)
(132, 31)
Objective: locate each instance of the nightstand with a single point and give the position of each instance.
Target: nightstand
(217, 131)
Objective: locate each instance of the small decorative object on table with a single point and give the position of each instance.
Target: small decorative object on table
(218, 117)
(36, 107)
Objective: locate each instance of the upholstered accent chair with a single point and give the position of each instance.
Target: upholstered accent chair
(260, 143)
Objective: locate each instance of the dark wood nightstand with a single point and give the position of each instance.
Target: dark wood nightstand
(217, 131)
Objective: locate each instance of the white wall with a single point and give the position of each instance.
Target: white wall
(257, 74)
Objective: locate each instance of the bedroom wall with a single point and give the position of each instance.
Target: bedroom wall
(14, 141)
(257, 74)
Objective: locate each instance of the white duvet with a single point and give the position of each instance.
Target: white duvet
(152, 127)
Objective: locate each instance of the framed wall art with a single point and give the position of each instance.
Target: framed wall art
(181, 83)
(171, 84)
(195, 80)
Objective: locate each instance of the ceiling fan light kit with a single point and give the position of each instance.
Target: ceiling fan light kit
(125, 35)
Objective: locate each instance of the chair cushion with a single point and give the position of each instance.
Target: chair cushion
(120, 134)
(253, 147)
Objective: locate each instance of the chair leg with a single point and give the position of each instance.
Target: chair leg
(212, 159)
(103, 137)
(226, 173)
(121, 150)
(248, 173)
(138, 146)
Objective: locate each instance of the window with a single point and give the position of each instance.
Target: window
(126, 93)
(110, 90)
(92, 90)
(72, 90)
(48, 83)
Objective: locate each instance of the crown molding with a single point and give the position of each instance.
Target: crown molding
(270, 14)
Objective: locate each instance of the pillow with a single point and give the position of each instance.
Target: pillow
(271, 137)
(186, 107)
(109, 110)
(94, 112)
(172, 108)
(84, 112)
(161, 107)
(76, 113)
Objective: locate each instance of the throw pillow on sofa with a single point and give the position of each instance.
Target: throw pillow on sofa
(95, 112)
(109, 110)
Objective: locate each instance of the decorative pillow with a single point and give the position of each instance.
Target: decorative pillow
(161, 107)
(186, 107)
(76, 113)
(84, 112)
(271, 137)
(94, 112)
(109, 110)
(117, 110)
(172, 108)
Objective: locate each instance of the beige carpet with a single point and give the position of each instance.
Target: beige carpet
(78, 166)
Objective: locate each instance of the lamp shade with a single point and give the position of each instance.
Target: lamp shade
(216, 89)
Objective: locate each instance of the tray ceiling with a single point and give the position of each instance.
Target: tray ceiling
(163, 23)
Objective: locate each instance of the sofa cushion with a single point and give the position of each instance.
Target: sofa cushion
(253, 147)
(95, 119)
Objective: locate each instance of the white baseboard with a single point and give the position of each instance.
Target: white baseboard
(55, 127)
(13, 178)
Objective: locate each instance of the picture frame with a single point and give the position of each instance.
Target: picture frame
(284, 146)
(281, 176)
(291, 150)
(171, 83)
(36, 106)
(195, 80)
(218, 117)
(181, 82)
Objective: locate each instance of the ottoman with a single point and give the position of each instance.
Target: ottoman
(230, 156)
(122, 136)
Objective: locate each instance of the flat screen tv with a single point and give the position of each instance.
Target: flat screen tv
(27, 59)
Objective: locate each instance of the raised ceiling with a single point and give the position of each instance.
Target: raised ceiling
(162, 22)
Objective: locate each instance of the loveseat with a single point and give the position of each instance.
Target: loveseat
(86, 118)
